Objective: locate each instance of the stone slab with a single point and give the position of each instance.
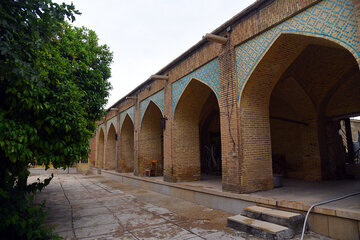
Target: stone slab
(294, 221)
(259, 228)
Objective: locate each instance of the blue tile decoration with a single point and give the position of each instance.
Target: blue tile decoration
(112, 121)
(330, 18)
(101, 127)
(130, 111)
(208, 74)
(157, 98)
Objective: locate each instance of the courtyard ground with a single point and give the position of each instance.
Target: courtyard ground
(92, 207)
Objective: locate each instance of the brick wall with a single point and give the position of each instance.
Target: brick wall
(150, 139)
(186, 142)
(92, 156)
(127, 146)
(100, 150)
(244, 121)
(110, 149)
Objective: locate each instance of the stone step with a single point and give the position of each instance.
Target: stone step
(259, 228)
(291, 220)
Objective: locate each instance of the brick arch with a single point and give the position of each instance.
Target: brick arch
(330, 19)
(110, 149)
(186, 152)
(151, 139)
(254, 102)
(122, 120)
(127, 145)
(244, 75)
(100, 149)
(128, 112)
(207, 74)
(192, 80)
(146, 108)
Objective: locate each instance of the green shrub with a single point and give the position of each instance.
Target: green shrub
(20, 217)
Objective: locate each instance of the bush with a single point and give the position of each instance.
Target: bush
(20, 217)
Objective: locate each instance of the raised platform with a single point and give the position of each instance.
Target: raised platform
(340, 220)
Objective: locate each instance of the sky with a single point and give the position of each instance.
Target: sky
(146, 35)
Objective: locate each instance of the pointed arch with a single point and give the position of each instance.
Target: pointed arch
(127, 145)
(194, 80)
(110, 150)
(151, 140)
(128, 113)
(314, 61)
(100, 149)
(244, 76)
(150, 102)
(342, 30)
(207, 74)
(196, 133)
(157, 98)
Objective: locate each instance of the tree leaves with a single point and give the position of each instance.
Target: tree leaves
(54, 83)
(53, 87)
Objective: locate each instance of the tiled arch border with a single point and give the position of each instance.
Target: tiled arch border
(157, 99)
(131, 112)
(207, 74)
(331, 19)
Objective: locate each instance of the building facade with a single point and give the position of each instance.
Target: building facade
(264, 98)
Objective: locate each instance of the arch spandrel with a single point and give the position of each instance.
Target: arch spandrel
(112, 121)
(130, 112)
(157, 99)
(187, 85)
(101, 127)
(329, 19)
(207, 74)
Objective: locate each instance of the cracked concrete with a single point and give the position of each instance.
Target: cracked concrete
(92, 207)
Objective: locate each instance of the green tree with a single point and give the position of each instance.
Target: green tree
(53, 87)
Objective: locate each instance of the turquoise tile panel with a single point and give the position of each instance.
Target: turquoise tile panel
(157, 98)
(208, 73)
(330, 18)
(130, 111)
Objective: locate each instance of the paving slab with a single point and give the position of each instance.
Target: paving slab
(79, 212)
(93, 207)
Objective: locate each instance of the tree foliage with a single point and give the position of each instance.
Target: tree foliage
(53, 87)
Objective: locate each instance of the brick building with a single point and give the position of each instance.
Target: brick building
(264, 93)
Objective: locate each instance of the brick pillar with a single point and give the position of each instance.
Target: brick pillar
(97, 134)
(168, 163)
(229, 120)
(105, 144)
(117, 143)
(136, 136)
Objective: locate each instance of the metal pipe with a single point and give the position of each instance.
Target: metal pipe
(320, 203)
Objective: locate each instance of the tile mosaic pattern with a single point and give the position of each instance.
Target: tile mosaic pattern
(111, 121)
(208, 73)
(157, 98)
(330, 18)
(101, 126)
(131, 112)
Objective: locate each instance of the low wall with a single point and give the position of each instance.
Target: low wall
(344, 224)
